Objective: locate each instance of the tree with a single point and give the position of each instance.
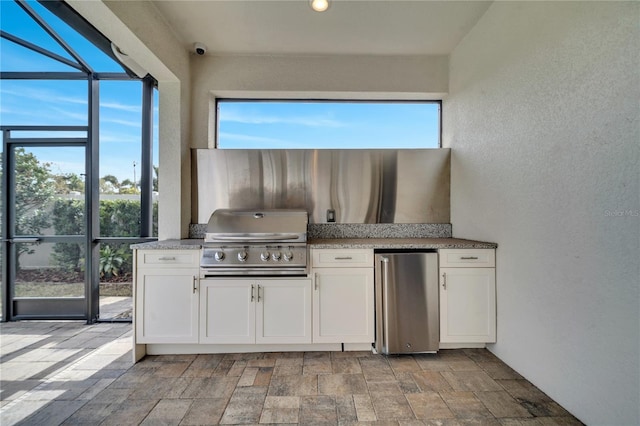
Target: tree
(34, 189)
(155, 179)
(128, 187)
(68, 183)
(109, 184)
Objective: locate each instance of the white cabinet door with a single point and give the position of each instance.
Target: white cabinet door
(467, 305)
(343, 305)
(166, 306)
(255, 311)
(283, 311)
(227, 311)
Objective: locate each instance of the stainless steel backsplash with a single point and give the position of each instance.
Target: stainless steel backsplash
(360, 186)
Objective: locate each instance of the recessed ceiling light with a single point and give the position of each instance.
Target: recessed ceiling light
(319, 5)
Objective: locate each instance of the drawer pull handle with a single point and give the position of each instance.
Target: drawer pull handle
(444, 281)
(167, 258)
(468, 258)
(343, 258)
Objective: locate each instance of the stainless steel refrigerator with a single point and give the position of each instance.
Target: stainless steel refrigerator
(407, 315)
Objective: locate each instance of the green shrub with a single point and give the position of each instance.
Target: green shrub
(68, 219)
(110, 261)
(118, 218)
(109, 255)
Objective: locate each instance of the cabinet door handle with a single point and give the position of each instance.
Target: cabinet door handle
(444, 280)
(195, 284)
(343, 258)
(315, 281)
(468, 258)
(259, 294)
(252, 292)
(167, 258)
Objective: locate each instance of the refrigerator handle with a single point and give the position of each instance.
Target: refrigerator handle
(385, 305)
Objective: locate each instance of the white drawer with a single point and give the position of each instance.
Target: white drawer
(467, 258)
(164, 258)
(341, 258)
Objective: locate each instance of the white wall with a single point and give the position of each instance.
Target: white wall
(543, 122)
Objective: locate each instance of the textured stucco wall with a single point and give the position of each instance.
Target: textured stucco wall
(543, 122)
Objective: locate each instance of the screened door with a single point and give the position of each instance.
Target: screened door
(46, 231)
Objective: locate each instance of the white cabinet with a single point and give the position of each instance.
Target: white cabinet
(166, 296)
(343, 300)
(467, 296)
(246, 311)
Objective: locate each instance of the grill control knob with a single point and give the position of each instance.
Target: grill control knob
(276, 256)
(288, 256)
(219, 256)
(242, 256)
(264, 256)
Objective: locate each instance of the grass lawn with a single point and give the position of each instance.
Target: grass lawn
(57, 289)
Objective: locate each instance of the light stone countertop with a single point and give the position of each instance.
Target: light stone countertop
(400, 243)
(341, 243)
(186, 244)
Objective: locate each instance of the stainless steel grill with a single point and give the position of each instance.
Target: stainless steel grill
(250, 242)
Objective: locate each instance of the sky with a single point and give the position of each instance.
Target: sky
(294, 124)
(247, 124)
(60, 102)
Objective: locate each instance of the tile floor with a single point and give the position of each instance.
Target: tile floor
(115, 308)
(69, 373)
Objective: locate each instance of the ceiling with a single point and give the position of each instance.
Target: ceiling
(349, 27)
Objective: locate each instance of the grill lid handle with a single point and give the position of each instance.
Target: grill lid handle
(265, 237)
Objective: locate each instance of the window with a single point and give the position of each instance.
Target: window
(291, 124)
(121, 148)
